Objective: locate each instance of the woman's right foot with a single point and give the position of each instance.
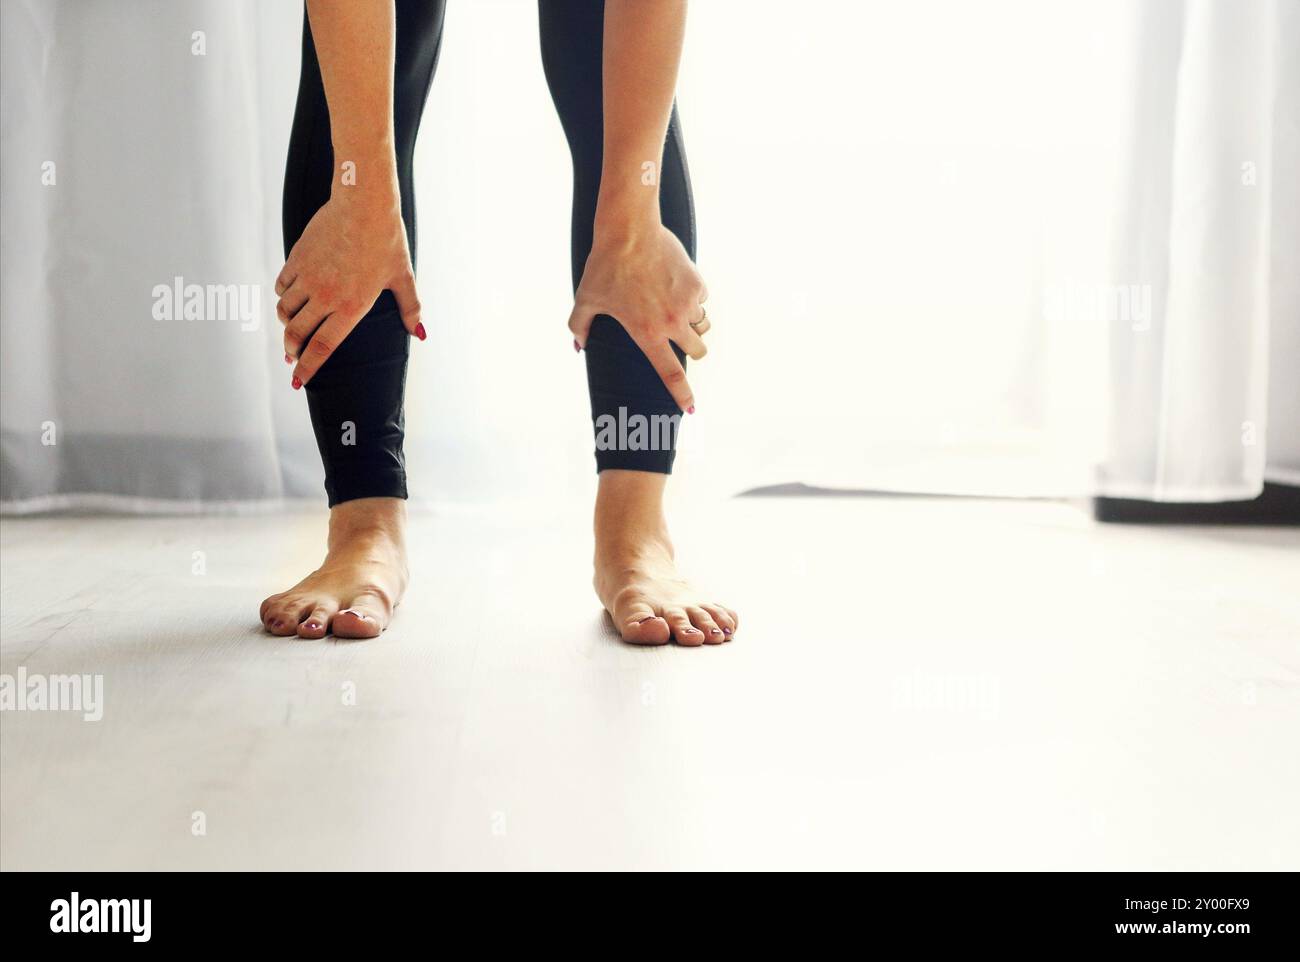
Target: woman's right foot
(354, 591)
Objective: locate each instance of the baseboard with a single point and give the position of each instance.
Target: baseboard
(1279, 504)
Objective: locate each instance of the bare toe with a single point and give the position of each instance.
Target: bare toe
(366, 617)
(317, 624)
(723, 618)
(644, 627)
(708, 627)
(282, 617)
(684, 633)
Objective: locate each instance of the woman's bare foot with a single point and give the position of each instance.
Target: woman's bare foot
(636, 578)
(354, 591)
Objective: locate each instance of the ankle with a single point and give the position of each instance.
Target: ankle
(367, 522)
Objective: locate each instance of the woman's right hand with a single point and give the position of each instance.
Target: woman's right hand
(352, 250)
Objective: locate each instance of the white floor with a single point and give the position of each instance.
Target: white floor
(918, 684)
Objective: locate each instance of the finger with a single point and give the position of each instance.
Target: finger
(673, 375)
(702, 324)
(291, 302)
(408, 305)
(323, 343)
(300, 329)
(580, 319)
(689, 340)
(288, 274)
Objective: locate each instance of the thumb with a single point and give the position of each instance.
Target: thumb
(408, 304)
(580, 319)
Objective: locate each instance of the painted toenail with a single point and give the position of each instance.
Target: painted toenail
(726, 631)
(714, 631)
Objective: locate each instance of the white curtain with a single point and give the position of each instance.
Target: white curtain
(1016, 247)
(144, 141)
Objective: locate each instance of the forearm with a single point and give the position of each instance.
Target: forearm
(642, 50)
(354, 42)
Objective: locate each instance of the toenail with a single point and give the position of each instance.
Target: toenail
(647, 618)
(312, 626)
(726, 631)
(714, 631)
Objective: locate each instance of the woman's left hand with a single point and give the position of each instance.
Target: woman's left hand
(646, 282)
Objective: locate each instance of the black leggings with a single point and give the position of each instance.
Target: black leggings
(356, 397)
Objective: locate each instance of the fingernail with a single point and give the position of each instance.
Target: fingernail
(288, 359)
(691, 409)
(296, 382)
(576, 346)
(419, 332)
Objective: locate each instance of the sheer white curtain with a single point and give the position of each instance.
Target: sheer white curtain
(1205, 400)
(1011, 247)
(144, 141)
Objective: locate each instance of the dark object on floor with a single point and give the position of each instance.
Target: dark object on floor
(1278, 504)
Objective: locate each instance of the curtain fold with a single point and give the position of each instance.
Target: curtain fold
(1203, 405)
(143, 149)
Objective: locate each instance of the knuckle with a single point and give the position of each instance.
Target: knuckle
(321, 347)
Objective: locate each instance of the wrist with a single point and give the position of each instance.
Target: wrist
(622, 220)
(367, 177)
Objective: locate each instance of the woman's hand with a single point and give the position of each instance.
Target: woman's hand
(645, 281)
(353, 249)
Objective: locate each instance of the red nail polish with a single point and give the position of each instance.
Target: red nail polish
(419, 332)
(691, 409)
(296, 382)
(576, 346)
(288, 359)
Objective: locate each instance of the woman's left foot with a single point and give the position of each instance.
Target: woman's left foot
(636, 577)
